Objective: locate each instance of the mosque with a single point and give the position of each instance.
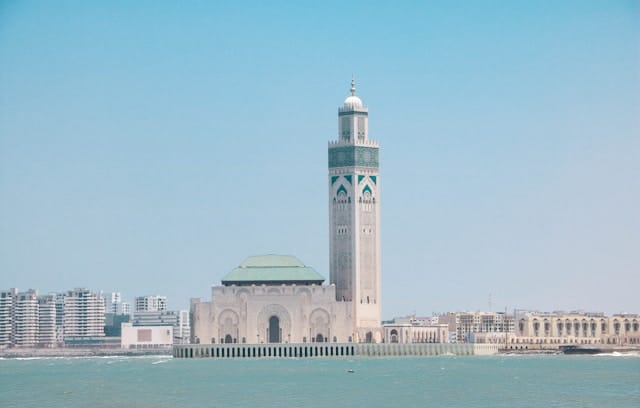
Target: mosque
(278, 299)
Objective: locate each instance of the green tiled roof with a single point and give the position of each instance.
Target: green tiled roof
(272, 269)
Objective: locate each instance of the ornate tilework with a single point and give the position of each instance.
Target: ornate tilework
(360, 156)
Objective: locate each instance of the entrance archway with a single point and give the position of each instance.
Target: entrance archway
(369, 337)
(319, 338)
(228, 339)
(274, 330)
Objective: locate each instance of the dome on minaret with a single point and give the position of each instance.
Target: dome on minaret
(353, 102)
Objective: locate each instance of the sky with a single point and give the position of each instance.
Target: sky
(150, 147)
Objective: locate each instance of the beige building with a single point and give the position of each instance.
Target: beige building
(272, 299)
(146, 337)
(415, 333)
(550, 330)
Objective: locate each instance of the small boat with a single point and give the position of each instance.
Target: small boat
(350, 370)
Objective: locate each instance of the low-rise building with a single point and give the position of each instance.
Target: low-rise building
(415, 330)
(550, 330)
(146, 337)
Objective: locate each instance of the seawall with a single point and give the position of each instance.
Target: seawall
(336, 350)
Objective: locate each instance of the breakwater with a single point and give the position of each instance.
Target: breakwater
(336, 350)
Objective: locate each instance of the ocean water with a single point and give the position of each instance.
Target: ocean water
(496, 381)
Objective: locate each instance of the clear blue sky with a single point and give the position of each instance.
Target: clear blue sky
(149, 147)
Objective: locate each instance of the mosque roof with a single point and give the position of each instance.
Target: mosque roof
(272, 269)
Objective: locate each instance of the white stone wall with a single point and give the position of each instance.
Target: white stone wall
(240, 314)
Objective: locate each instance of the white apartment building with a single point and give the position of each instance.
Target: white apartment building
(7, 306)
(26, 319)
(151, 303)
(182, 330)
(468, 327)
(83, 314)
(47, 332)
(117, 306)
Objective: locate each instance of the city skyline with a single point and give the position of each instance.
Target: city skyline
(151, 148)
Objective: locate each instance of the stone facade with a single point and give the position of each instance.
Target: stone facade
(243, 314)
(550, 330)
(354, 219)
(410, 333)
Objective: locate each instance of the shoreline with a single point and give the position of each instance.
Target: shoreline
(81, 352)
(114, 352)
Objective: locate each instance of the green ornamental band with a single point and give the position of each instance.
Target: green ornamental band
(359, 156)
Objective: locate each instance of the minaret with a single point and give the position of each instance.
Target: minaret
(354, 218)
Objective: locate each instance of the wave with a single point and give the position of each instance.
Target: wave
(619, 354)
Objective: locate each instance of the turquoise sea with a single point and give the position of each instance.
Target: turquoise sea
(496, 381)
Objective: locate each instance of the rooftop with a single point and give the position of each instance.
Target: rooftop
(272, 270)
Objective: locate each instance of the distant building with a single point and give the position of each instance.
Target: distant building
(7, 307)
(113, 323)
(117, 306)
(177, 320)
(478, 327)
(47, 332)
(550, 330)
(25, 317)
(182, 330)
(83, 314)
(151, 304)
(415, 330)
(146, 337)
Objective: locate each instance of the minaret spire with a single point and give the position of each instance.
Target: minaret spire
(353, 86)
